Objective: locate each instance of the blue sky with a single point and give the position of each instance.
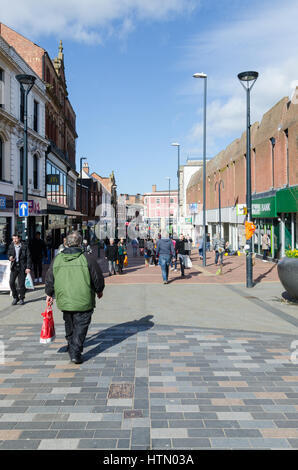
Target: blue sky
(129, 66)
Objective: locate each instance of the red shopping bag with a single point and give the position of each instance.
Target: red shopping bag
(47, 334)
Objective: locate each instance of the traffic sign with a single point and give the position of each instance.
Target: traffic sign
(23, 209)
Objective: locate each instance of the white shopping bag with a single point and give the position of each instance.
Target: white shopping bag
(188, 263)
(29, 282)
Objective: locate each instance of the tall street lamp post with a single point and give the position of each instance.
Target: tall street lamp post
(175, 144)
(247, 80)
(204, 76)
(169, 179)
(26, 82)
(219, 183)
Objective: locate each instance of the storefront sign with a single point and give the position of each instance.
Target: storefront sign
(4, 275)
(188, 220)
(53, 179)
(37, 206)
(265, 207)
(241, 209)
(6, 203)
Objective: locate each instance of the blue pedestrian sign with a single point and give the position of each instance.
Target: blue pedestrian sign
(23, 209)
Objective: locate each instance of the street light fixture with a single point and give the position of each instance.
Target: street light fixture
(26, 82)
(247, 80)
(81, 184)
(168, 178)
(204, 76)
(175, 144)
(114, 195)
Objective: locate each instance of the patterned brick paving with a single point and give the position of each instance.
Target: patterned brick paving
(233, 271)
(149, 387)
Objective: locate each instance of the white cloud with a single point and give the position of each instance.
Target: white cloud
(265, 42)
(90, 21)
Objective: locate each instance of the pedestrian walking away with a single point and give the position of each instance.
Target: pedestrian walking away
(21, 264)
(111, 254)
(265, 246)
(148, 252)
(74, 277)
(141, 246)
(134, 244)
(181, 246)
(219, 248)
(38, 250)
(201, 247)
(165, 251)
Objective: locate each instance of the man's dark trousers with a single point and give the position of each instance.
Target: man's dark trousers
(17, 272)
(76, 328)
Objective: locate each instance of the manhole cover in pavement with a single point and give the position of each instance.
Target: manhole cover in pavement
(121, 391)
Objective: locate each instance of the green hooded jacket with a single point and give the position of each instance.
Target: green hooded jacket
(72, 282)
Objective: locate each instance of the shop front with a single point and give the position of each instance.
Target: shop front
(6, 223)
(287, 208)
(265, 217)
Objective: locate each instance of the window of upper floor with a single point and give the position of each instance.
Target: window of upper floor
(1, 88)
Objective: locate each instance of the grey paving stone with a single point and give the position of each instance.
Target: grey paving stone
(161, 444)
(206, 433)
(293, 443)
(230, 443)
(270, 443)
(123, 444)
(191, 443)
(20, 444)
(140, 436)
(243, 433)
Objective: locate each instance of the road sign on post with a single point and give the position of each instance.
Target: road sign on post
(23, 209)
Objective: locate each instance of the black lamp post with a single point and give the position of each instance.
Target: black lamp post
(81, 169)
(26, 82)
(204, 76)
(219, 183)
(247, 80)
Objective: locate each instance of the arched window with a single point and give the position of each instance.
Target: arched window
(1, 159)
(35, 171)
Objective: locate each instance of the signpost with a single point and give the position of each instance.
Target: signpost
(23, 209)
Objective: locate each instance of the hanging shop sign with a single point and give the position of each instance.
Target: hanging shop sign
(53, 180)
(241, 209)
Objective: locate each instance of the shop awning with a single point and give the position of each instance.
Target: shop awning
(74, 213)
(287, 200)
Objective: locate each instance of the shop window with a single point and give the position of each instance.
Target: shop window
(1, 159)
(272, 140)
(35, 171)
(1, 88)
(21, 165)
(287, 155)
(35, 116)
(22, 104)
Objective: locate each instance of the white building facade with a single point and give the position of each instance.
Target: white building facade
(12, 146)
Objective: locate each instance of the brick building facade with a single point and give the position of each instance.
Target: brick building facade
(274, 179)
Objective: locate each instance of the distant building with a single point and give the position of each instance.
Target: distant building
(160, 210)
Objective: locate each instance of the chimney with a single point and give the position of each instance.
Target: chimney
(154, 188)
(86, 168)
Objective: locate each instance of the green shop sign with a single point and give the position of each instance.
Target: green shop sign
(264, 207)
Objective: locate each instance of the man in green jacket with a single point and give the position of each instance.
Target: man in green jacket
(74, 277)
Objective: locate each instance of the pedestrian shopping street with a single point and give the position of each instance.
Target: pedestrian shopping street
(196, 364)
